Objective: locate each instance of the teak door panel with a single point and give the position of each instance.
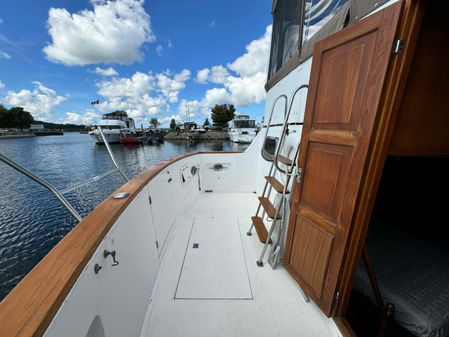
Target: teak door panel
(348, 73)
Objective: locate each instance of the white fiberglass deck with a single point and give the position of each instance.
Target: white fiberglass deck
(216, 289)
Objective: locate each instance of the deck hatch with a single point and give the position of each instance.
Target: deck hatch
(218, 270)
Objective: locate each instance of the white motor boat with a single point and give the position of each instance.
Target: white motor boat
(243, 129)
(113, 126)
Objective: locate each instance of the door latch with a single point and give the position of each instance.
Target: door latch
(298, 174)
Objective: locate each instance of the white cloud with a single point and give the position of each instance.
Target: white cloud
(4, 55)
(135, 86)
(113, 32)
(39, 102)
(189, 109)
(171, 86)
(245, 91)
(169, 44)
(202, 75)
(142, 95)
(106, 71)
(255, 60)
(159, 50)
(1, 85)
(89, 117)
(216, 96)
(168, 119)
(217, 74)
(242, 81)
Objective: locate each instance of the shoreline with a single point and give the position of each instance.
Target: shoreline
(189, 136)
(17, 136)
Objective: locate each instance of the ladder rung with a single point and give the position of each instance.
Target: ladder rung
(261, 230)
(284, 160)
(277, 185)
(268, 207)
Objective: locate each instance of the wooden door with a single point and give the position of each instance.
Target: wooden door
(348, 72)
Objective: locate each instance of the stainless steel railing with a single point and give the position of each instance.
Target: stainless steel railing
(60, 194)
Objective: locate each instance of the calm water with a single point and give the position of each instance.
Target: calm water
(32, 221)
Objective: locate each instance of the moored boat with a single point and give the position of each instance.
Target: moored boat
(130, 137)
(113, 125)
(243, 129)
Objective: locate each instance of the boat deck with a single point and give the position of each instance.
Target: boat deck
(209, 284)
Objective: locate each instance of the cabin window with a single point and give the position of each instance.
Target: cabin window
(245, 124)
(286, 31)
(317, 14)
(294, 23)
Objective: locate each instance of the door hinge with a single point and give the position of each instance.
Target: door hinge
(157, 244)
(149, 200)
(398, 46)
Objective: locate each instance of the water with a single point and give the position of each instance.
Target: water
(32, 221)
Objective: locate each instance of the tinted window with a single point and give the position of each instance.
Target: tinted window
(285, 37)
(317, 13)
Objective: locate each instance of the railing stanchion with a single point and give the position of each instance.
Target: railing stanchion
(48, 186)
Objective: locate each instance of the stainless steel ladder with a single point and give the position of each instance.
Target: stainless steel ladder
(276, 213)
(60, 194)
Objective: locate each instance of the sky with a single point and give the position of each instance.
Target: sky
(155, 58)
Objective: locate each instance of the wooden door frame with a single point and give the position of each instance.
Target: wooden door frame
(392, 93)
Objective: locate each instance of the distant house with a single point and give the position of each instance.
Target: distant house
(36, 127)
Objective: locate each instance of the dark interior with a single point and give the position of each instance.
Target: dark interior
(409, 249)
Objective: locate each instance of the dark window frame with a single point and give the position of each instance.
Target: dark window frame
(348, 14)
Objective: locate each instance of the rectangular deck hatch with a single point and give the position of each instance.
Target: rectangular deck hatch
(216, 268)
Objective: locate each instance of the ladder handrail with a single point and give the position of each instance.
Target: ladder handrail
(272, 173)
(283, 134)
(271, 116)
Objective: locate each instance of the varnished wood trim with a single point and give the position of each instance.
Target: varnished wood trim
(333, 137)
(324, 224)
(30, 307)
(393, 90)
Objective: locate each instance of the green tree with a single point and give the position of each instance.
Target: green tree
(172, 124)
(5, 119)
(206, 122)
(15, 118)
(154, 122)
(222, 114)
(117, 113)
(21, 118)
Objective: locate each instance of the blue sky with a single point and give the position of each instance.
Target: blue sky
(165, 59)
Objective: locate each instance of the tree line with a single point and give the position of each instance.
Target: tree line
(18, 118)
(15, 117)
(221, 114)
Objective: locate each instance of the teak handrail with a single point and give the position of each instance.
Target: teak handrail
(30, 307)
